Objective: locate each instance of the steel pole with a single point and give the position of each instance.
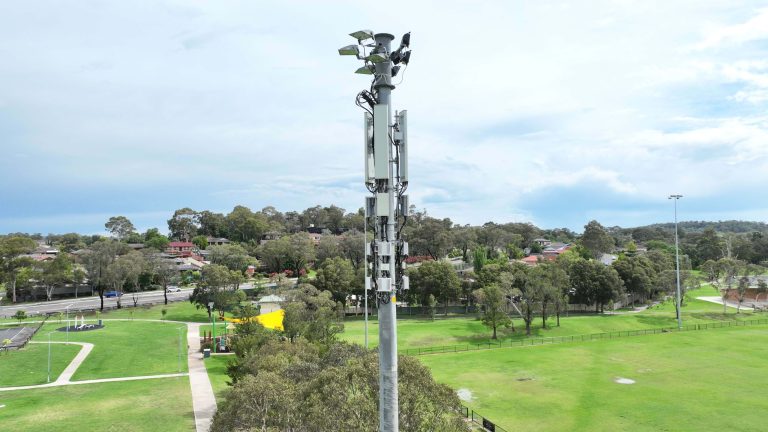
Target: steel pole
(388, 391)
(677, 265)
(365, 281)
(49, 357)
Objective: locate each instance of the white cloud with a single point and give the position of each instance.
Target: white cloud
(756, 28)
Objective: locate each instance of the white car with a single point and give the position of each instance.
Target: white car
(173, 289)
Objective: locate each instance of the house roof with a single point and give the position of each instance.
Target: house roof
(271, 299)
(180, 244)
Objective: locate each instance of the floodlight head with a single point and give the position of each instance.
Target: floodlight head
(365, 70)
(406, 40)
(406, 58)
(395, 70)
(377, 58)
(362, 35)
(349, 50)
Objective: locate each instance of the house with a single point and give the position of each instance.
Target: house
(555, 248)
(315, 238)
(180, 248)
(533, 260)
(218, 241)
(269, 236)
(270, 303)
(608, 259)
(542, 242)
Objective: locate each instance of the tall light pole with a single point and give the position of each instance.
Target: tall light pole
(677, 264)
(367, 282)
(67, 309)
(386, 178)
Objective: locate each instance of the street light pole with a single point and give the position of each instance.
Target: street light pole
(677, 265)
(386, 178)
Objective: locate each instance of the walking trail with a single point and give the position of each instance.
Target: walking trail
(203, 399)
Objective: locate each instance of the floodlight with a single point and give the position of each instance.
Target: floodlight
(362, 35)
(349, 50)
(406, 40)
(377, 58)
(395, 70)
(365, 70)
(406, 58)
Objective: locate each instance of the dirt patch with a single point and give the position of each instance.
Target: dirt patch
(620, 380)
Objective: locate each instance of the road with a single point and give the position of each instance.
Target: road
(148, 297)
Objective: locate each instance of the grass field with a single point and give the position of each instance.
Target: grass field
(423, 332)
(29, 366)
(126, 348)
(693, 381)
(217, 372)
(130, 406)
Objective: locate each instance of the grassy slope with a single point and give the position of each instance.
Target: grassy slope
(697, 381)
(127, 348)
(29, 366)
(131, 406)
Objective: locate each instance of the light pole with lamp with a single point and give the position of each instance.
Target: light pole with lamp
(213, 325)
(677, 264)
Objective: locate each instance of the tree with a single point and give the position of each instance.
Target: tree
(741, 289)
(312, 315)
(637, 274)
(352, 245)
(431, 306)
(11, 261)
(299, 251)
(212, 224)
(596, 239)
(20, 315)
(123, 274)
(479, 258)
(119, 226)
(162, 271)
(200, 241)
(183, 225)
(762, 288)
(214, 278)
(431, 237)
(337, 276)
(55, 273)
(97, 262)
(437, 278)
(232, 256)
(244, 225)
(329, 247)
(492, 300)
(78, 277)
(276, 377)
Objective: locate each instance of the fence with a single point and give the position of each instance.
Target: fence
(483, 422)
(576, 338)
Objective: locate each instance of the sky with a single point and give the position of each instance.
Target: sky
(550, 112)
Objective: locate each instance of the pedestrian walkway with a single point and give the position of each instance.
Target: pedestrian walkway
(66, 376)
(719, 300)
(203, 399)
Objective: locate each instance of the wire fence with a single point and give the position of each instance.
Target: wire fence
(575, 338)
(480, 421)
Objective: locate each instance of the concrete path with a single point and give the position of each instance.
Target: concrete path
(66, 376)
(719, 300)
(203, 400)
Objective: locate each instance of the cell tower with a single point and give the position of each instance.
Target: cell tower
(386, 178)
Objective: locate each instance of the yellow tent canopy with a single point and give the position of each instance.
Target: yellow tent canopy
(271, 320)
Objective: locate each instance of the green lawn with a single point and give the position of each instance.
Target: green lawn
(217, 372)
(176, 311)
(127, 348)
(130, 406)
(693, 381)
(463, 330)
(29, 366)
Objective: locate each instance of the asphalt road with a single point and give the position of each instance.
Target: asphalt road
(82, 303)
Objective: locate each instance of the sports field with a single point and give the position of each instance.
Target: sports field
(711, 380)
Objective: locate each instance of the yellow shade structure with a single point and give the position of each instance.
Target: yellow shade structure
(271, 320)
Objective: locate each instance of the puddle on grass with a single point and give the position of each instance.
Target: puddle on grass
(620, 380)
(465, 394)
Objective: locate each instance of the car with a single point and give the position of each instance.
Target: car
(173, 289)
(110, 294)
